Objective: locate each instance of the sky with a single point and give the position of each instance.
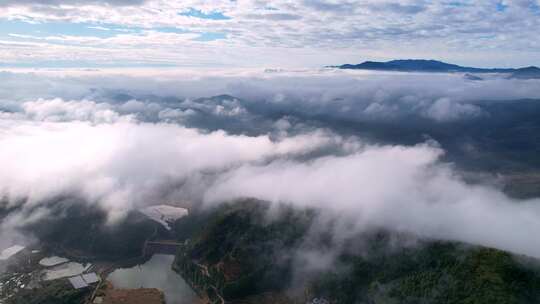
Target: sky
(254, 33)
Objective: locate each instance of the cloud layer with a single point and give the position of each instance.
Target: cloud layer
(122, 149)
(343, 95)
(311, 33)
(398, 188)
(121, 164)
(70, 2)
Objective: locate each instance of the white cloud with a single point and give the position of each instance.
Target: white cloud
(335, 93)
(85, 149)
(445, 109)
(79, 140)
(59, 110)
(314, 33)
(393, 187)
(112, 3)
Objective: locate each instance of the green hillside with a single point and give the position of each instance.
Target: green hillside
(243, 255)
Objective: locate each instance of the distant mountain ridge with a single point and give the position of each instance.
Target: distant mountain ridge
(421, 65)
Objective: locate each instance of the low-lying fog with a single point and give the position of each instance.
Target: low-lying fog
(301, 137)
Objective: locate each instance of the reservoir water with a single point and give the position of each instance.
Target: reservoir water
(156, 273)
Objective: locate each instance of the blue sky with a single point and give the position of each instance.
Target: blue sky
(212, 15)
(305, 33)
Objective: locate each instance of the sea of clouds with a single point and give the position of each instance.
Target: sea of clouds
(121, 142)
